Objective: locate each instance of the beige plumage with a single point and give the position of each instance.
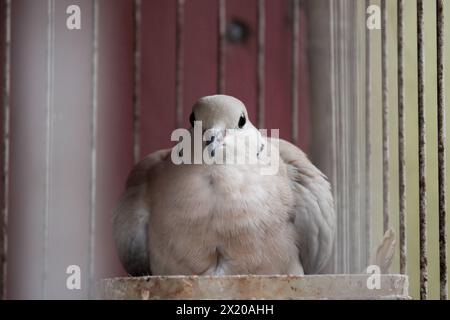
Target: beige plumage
(225, 219)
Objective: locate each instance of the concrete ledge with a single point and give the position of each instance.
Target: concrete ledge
(393, 286)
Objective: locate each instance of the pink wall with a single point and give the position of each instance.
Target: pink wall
(70, 139)
(200, 56)
(27, 162)
(115, 124)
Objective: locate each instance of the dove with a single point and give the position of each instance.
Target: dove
(225, 218)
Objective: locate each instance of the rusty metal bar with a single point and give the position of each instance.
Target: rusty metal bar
(385, 115)
(179, 63)
(295, 67)
(5, 150)
(368, 148)
(441, 149)
(401, 138)
(260, 89)
(221, 25)
(137, 18)
(422, 156)
(49, 137)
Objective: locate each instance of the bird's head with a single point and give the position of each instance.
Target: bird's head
(225, 126)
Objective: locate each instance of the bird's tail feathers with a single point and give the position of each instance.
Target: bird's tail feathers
(384, 253)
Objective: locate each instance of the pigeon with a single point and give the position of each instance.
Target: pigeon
(225, 218)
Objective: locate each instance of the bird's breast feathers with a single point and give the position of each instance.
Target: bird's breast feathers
(229, 211)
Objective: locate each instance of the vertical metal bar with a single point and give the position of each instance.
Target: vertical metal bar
(341, 134)
(422, 157)
(336, 256)
(49, 137)
(340, 97)
(343, 118)
(260, 90)
(359, 25)
(5, 151)
(368, 93)
(360, 17)
(385, 115)
(350, 126)
(347, 134)
(295, 67)
(93, 177)
(441, 150)
(221, 25)
(351, 59)
(179, 63)
(401, 138)
(137, 81)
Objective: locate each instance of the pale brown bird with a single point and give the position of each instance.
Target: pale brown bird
(225, 219)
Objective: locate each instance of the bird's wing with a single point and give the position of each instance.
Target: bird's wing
(130, 219)
(313, 211)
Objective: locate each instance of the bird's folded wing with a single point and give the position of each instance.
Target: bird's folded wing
(313, 211)
(130, 219)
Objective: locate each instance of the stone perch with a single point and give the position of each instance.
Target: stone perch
(339, 286)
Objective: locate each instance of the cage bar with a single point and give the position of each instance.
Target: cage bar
(337, 122)
(441, 150)
(345, 135)
(401, 138)
(344, 103)
(260, 87)
(342, 133)
(137, 26)
(93, 176)
(344, 115)
(179, 63)
(5, 149)
(422, 156)
(295, 67)
(368, 148)
(385, 115)
(49, 137)
(360, 27)
(221, 26)
(336, 256)
(353, 132)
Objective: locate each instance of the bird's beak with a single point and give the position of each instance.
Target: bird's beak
(214, 138)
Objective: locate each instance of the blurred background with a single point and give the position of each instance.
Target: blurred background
(82, 106)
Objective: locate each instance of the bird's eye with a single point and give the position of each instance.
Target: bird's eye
(242, 121)
(192, 119)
